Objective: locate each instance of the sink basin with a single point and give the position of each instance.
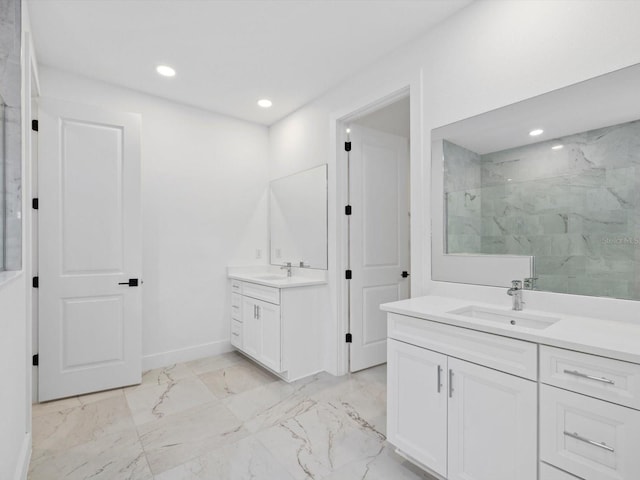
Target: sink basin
(506, 317)
(269, 276)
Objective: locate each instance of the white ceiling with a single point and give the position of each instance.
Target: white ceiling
(228, 54)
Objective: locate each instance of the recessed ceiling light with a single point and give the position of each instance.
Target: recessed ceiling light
(166, 71)
(536, 132)
(265, 103)
(557, 147)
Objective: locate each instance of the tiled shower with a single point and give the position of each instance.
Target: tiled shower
(572, 202)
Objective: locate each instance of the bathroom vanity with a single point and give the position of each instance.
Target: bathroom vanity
(276, 320)
(484, 392)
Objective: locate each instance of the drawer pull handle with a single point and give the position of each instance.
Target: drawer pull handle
(450, 383)
(235, 334)
(235, 306)
(590, 377)
(439, 378)
(590, 442)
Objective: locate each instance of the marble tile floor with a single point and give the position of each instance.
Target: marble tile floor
(221, 418)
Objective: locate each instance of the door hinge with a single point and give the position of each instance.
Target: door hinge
(35, 360)
(34, 125)
(347, 274)
(34, 203)
(35, 281)
(348, 338)
(347, 146)
(347, 210)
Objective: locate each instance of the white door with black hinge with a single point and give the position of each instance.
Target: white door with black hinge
(379, 250)
(89, 249)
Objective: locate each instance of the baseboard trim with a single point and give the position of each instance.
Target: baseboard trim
(22, 467)
(164, 359)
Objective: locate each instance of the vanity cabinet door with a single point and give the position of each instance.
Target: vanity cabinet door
(492, 424)
(271, 339)
(251, 329)
(417, 404)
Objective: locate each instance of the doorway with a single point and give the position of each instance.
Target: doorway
(377, 193)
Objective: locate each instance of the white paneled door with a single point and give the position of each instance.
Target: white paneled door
(379, 239)
(89, 249)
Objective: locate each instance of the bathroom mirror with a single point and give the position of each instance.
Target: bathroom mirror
(298, 219)
(2, 186)
(561, 205)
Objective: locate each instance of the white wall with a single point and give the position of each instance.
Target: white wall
(204, 206)
(15, 378)
(393, 119)
(491, 54)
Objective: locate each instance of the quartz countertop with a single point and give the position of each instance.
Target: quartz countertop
(274, 277)
(607, 338)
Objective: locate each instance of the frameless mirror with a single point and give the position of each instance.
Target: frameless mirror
(298, 219)
(2, 187)
(547, 188)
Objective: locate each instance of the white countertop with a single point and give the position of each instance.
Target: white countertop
(607, 338)
(302, 277)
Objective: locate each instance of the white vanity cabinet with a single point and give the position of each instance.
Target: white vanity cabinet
(589, 417)
(485, 399)
(261, 336)
(278, 327)
(456, 418)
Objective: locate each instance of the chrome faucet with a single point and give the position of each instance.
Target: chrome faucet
(516, 292)
(288, 267)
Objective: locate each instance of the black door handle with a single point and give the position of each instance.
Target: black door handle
(405, 274)
(133, 282)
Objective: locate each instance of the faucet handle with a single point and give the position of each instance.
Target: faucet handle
(530, 283)
(516, 284)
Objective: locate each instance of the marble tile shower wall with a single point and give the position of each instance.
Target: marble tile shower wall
(10, 91)
(576, 209)
(462, 186)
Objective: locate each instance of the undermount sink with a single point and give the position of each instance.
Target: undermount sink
(269, 276)
(506, 317)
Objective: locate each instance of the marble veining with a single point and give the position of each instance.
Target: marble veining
(221, 418)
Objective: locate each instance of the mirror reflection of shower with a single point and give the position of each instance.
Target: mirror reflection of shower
(571, 202)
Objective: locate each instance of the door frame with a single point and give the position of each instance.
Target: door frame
(339, 365)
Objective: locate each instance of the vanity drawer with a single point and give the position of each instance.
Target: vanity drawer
(588, 437)
(236, 333)
(508, 355)
(548, 472)
(605, 378)
(236, 305)
(261, 292)
(236, 286)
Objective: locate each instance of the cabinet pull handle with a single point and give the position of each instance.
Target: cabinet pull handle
(590, 442)
(258, 310)
(255, 311)
(235, 306)
(439, 378)
(450, 383)
(590, 377)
